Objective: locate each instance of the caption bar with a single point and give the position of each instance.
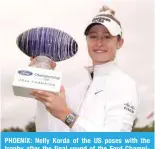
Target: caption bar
(52, 140)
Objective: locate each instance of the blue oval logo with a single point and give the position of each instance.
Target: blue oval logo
(25, 72)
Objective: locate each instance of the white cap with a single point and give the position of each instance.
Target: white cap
(113, 27)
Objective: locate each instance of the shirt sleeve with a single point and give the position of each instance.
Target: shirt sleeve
(120, 112)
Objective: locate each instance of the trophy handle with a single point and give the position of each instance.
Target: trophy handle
(43, 62)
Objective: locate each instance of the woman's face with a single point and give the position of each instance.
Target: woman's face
(102, 45)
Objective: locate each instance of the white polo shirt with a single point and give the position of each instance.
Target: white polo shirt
(108, 103)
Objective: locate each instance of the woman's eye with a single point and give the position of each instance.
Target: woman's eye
(107, 37)
(93, 37)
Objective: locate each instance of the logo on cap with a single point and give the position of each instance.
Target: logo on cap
(100, 19)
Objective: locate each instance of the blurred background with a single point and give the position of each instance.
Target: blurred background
(72, 16)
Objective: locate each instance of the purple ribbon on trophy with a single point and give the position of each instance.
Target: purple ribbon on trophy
(44, 41)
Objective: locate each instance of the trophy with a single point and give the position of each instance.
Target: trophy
(46, 44)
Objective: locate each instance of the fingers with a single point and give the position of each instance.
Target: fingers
(42, 93)
(46, 102)
(32, 59)
(43, 96)
(31, 63)
(44, 99)
(48, 105)
(62, 88)
(40, 99)
(53, 64)
(62, 92)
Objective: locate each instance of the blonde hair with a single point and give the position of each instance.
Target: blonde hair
(106, 11)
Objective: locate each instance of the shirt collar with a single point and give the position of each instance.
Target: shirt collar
(105, 68)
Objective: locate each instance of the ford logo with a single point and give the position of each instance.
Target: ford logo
(25, 72)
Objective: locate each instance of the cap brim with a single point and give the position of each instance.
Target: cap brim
(90, 26)
(113, 28)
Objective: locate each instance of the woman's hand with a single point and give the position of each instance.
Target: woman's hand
(54, 103)
(33, 59)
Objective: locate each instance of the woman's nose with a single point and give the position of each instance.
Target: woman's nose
(100, 42)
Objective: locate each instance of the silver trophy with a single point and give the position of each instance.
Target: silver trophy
(46, 44)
